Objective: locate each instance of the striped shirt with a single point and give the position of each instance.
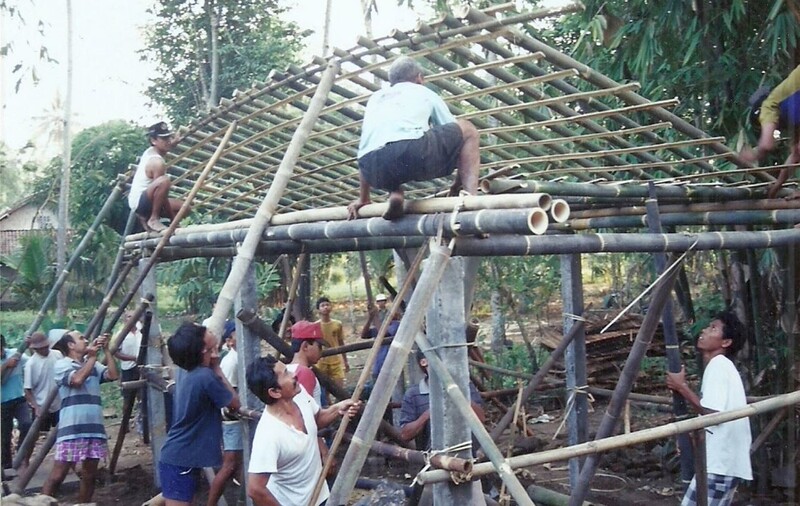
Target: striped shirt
(81, 414)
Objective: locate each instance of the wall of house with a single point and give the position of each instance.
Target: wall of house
(24, 217)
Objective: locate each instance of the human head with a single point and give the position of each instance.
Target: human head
(733, 330)
(72, 343)
(404, 69)
(276, 323)
(269, 380)
(380, 300)
(192, 345)
(38, 343)
(324, 305)
(307, 339)
(229, 334)
(422, 361)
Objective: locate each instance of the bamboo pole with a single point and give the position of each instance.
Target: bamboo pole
(506, 221)
(97, 318)
(537, 378)
(376, 210)
(390, 372)
(62, 276)
(559, 211)
(363, 345)
(488, 446)
(776, 217)
(683, 191)
(627, 377)
(702, 207)
(366, 372)
(438, 460)
(144, 304)
(33, 433)
(22, 480)
(164, 237)
(625, 440)
(262, 218)
(250, 319)
(292, 295)
(769, 429)
(127, 409)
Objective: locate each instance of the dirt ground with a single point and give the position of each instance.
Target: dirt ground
(640, 475)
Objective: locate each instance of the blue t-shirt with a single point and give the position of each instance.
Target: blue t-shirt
(196, 433)
(402, 112)
(391, 331)
(81, 414)
(12, 387)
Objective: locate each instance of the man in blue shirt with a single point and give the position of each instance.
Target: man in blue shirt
(409, 134)
(13, 404)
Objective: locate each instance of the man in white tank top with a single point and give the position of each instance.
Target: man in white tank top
(149, 195)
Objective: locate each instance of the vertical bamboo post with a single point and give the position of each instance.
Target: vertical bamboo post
(248, 347)
(365, 374)
(575, 358)
(670, 336)
(62, 276)
(701, 474)
(246, 253)
(144, 269)
(500, 464)
(287, 312)
(395, 359)
(445, 329)
(627, 377)
(555, 356)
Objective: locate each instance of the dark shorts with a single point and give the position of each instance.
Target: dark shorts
(145, 206)
(433, 155)
(178, 483)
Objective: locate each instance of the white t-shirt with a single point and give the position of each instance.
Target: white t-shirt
(140, 180)
(290, 456)
(130, 346)
(230, 367)
(38, 377)
(727, 444)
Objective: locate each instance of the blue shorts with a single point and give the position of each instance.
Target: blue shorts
(232, 437)
(178, 483)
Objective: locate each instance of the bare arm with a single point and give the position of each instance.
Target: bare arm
(676, 381)
(258, 492)
(9, 365)
(325, 417)
(79, 377)
(155, 167)
(410, 430)
(111, 373)
(32, 401)
(235, 403)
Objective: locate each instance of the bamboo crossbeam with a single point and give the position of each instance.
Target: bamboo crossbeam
(76, 254)
(507, 221)
(776, 217)
(347, 348)
(244, 258)
(250, 319)
(702, 207)
(689, 192)
(437, 460)
(625, 440)
(509, 245)
(576, 138)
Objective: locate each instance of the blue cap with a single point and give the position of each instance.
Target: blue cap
(228, 329)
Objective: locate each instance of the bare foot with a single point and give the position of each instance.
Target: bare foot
(155, 226)
(395, 209)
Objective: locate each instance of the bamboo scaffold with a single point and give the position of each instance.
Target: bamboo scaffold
(625, 440)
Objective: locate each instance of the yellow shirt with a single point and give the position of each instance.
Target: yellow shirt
(333, 335)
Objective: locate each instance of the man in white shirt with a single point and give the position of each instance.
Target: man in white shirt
(127, 353)
(149, 194)
(39, 379)
(409, 134)
(285, 463)
(727, 444)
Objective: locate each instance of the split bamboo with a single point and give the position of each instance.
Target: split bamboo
(79, 249)
(247, 252)
(625, 440)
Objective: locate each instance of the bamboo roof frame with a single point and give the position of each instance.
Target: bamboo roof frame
(541, 115)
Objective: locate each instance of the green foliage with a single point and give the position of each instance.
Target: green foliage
(251, 40)
(33, 262)
(516, 358)
(712, 55)
(14, 175)
(527, 283)
(99, 154)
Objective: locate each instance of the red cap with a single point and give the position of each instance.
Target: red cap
(306, 330)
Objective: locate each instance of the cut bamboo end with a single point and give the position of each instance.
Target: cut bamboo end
(559, 210)
(538, 221)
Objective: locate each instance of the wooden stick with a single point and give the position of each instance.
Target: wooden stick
(292, 295)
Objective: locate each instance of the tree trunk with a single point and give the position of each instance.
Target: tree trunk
(66, 154)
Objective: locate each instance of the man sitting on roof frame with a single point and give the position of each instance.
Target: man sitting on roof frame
(410, 135)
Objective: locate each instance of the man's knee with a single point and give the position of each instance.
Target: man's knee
(468, 130)
(161, 182)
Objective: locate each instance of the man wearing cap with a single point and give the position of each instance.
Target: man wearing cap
(13, 405)
(39, 379)
(409, 134)
(232, 442)
(307, 345)
(149, 194)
